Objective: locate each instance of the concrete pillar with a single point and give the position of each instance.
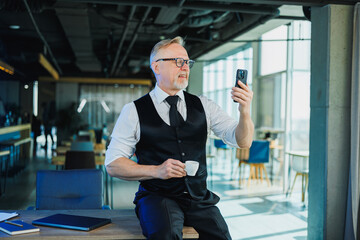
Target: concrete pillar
(329, 120)
(255, 82)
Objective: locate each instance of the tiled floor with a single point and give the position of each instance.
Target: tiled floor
(258, 212)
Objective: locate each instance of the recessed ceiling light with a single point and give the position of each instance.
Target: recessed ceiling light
(15, 27)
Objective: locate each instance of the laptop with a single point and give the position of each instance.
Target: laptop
(74, 222)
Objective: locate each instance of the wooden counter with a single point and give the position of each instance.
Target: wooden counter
(24, 141)
(24, 129)
(124, 225)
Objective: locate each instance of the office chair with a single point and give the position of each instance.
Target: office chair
(83, 136)
(82, 146)
(79, 160)
(69, 189)
(98, 135)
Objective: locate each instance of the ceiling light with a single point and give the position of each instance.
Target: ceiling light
(15, 27)
(6, 68)
(81, 106)
(106, 108)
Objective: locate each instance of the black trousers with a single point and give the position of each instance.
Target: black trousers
(163, 218)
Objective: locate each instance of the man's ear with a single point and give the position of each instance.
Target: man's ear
(155, 67)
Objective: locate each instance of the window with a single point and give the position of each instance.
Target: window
(301, 49)
(286, 73)
(103, 103)
(271, 96)
(273, 52)
(282, 86)
(219, 78)
(300, 111)
(298, 130)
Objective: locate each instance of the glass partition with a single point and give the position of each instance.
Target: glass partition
(282, 91)
(103, 103)
(219, 78)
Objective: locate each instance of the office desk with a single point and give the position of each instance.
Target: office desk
(59, 161)
(304, 154)
(61, 150)
(124, 225)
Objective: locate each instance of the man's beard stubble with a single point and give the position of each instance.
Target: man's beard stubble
(181, 85)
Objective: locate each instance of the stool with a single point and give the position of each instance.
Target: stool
(4, 155)
(211, 157)
(13, 157)
(14, 160)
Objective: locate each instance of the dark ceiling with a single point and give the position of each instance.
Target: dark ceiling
(114, 38)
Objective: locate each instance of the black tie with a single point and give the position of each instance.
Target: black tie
(173, 113)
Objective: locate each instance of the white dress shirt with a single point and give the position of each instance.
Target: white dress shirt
(126, 133)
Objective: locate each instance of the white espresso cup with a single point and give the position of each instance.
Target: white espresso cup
(191, 167)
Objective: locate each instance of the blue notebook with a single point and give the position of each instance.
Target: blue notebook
(17, 227)
(75, 222)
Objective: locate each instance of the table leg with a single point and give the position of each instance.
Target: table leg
(271, 165)
(106, 188)
(112, 192)
(302, 188)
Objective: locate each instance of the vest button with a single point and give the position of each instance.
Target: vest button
(179, 141)
(182, 154)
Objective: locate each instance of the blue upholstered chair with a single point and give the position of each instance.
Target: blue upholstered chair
(221, 146)
(259, 151)
(257, 156)
(69, 189)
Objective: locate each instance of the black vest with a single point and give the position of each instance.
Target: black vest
(159, 141)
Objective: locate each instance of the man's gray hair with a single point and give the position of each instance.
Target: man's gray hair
(164, 43)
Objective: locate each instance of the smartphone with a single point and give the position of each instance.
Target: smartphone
(241, 74)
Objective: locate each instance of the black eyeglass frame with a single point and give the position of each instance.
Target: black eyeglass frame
(189, 62)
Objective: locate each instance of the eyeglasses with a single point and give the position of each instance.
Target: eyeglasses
(179, 61)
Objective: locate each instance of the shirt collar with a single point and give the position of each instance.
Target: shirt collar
(160, 95)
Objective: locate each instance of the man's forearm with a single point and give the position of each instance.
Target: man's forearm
(127, 169)
(244, 131)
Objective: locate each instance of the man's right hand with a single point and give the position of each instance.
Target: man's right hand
(171, 168)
